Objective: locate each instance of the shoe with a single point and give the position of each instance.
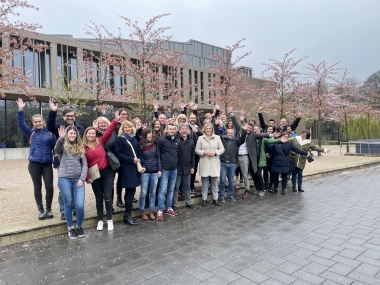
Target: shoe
(142, 215)
(235, 190)
(274, 191)
(151, 215)
(41, 213)
(294, 188)
(99, 226)
(283, 192)
(266, 186)
(192, 194)
(120, 203)
(216, 203)
(237, 182)
(80, 232)
(74, 213)
(175, 209)
(159, 215)
(241, 180)
(246, 193)
(189, 206)
(222, 200)
(49, 213)
(232, 199)
(129, 220)
(110, 225)
(261, 193)
(300, 189)
(113, 211)
(170, 212)
(254, 192)
(204, 202)
(73, 233)
(135, 200)
(63, 216)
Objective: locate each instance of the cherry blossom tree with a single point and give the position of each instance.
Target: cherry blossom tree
(282, 86)
(229, 82)
(14, 40)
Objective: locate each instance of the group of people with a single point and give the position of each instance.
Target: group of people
(163, 159)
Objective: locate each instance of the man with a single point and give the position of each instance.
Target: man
(185, 166)
(257, 176)
(170, 152)
(68, 119)
(271, 122)
(162, 117)
(195, 133)
(228, 161)
(223, 119)
(293, 126)
(243, 161)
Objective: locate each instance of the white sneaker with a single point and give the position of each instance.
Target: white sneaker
(110, 225)
(100, 226)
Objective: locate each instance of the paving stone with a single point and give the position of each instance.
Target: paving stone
(326, 253)
(341, 269)
(315, 268)
(226, 274)
(308, 277)
(243, 281)
(352, 254)
(199, 273)
(336, 277)
(253, 275)
(280, 276)
(159, 279)
(367, 269)
(363, 278)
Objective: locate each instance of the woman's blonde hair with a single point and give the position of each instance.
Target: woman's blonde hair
(103, 119)
(206, 125)
(180, 116)
(126, 123)
(135, 119)
(75, 147)
(38, 115)
(85, 140)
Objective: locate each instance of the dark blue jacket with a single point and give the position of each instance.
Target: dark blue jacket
(42, 141)
(170, 151)
(151, 160)
(129, 176)
(231, 147)
(187, 160)
(281, 156)
(53, 127)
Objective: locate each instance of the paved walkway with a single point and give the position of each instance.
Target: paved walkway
(327, 235)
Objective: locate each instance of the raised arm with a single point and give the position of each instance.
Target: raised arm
(294, 125)
(261, 119)
(21, 118)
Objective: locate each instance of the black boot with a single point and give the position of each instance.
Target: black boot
(283, 192)
(274, 190)
(204, 202)
(266, 186)
(300, 188)
(294, 188)
(129, 220)
(119, 202)
(215, 202)
(49, 213)
(41, 213)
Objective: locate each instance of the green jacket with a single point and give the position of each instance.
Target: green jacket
(262, 157)
(299, 161)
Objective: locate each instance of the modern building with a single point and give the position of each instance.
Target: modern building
(42, 68)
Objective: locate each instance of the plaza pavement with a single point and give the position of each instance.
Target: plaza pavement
(330, 234)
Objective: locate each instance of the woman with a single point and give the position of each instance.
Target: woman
(40, 158)
(72, 172)
(149, 179)
(281, 161)
(209, 148)
(302, 142)
(157, 130)
(267, 170)
(181, 119)
(129, 176)
(96, 155)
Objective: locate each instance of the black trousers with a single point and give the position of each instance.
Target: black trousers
(103, 189)
(192, 178)
(36, 171)
(128, 197)
(284, 177)
(258, 179)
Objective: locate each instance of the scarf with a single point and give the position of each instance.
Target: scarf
(147, 145)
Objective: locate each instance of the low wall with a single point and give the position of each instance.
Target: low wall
(14, 153)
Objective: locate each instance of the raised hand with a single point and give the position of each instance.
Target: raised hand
(144, 126)
(182, 106)
(277, 134)
(156, 106)
(195, 106)
(62, 132)
(117, 116)
(20, 104)
(229, 109)
(300, 113)
(53, 106)
(260, 109)
(95, 124)
(242, 115)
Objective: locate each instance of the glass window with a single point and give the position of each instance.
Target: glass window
(28, 66)
(3, 123)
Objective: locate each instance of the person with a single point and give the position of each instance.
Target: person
(281, 161)
(209, 148)
(129, 176)
(157, 130)
(40, 158)
(153, 171)
(302, 142)
(267, 169)
(271, 122)
(170, 152)
(161, 117)
(72, 173)
(228, 161)
(96, 155)
(2, 145)
(283, 123)
(185, 166)
(290, 131)
(181, 119)
(68, 116)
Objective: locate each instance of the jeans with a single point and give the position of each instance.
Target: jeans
(36, 171)
(244, 164)
(183, 179)
(227, 169)
(148, 181)
(62, 204)
(69, 189)
(167, 183)
(214, 187)
(297, 171)
(103, 189)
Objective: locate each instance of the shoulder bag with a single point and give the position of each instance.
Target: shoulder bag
(138, 164)
(111, 157)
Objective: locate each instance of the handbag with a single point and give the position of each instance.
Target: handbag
(138, 164)
(93, 172)
(111, 157)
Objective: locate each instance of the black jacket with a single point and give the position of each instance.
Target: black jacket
(187, 159)
(281, 156)
(294, 125)
(231, 147)
(53, 127)
(170, 151)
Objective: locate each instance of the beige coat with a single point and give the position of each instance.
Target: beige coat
(209, 166)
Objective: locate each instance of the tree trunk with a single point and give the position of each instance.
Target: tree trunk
(319, 132)
(346, 127)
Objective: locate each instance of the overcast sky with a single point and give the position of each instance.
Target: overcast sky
(330, 30)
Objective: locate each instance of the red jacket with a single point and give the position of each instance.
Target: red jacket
(98, 154)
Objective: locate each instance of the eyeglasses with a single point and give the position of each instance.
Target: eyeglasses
(123, 114)
(70, 116)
